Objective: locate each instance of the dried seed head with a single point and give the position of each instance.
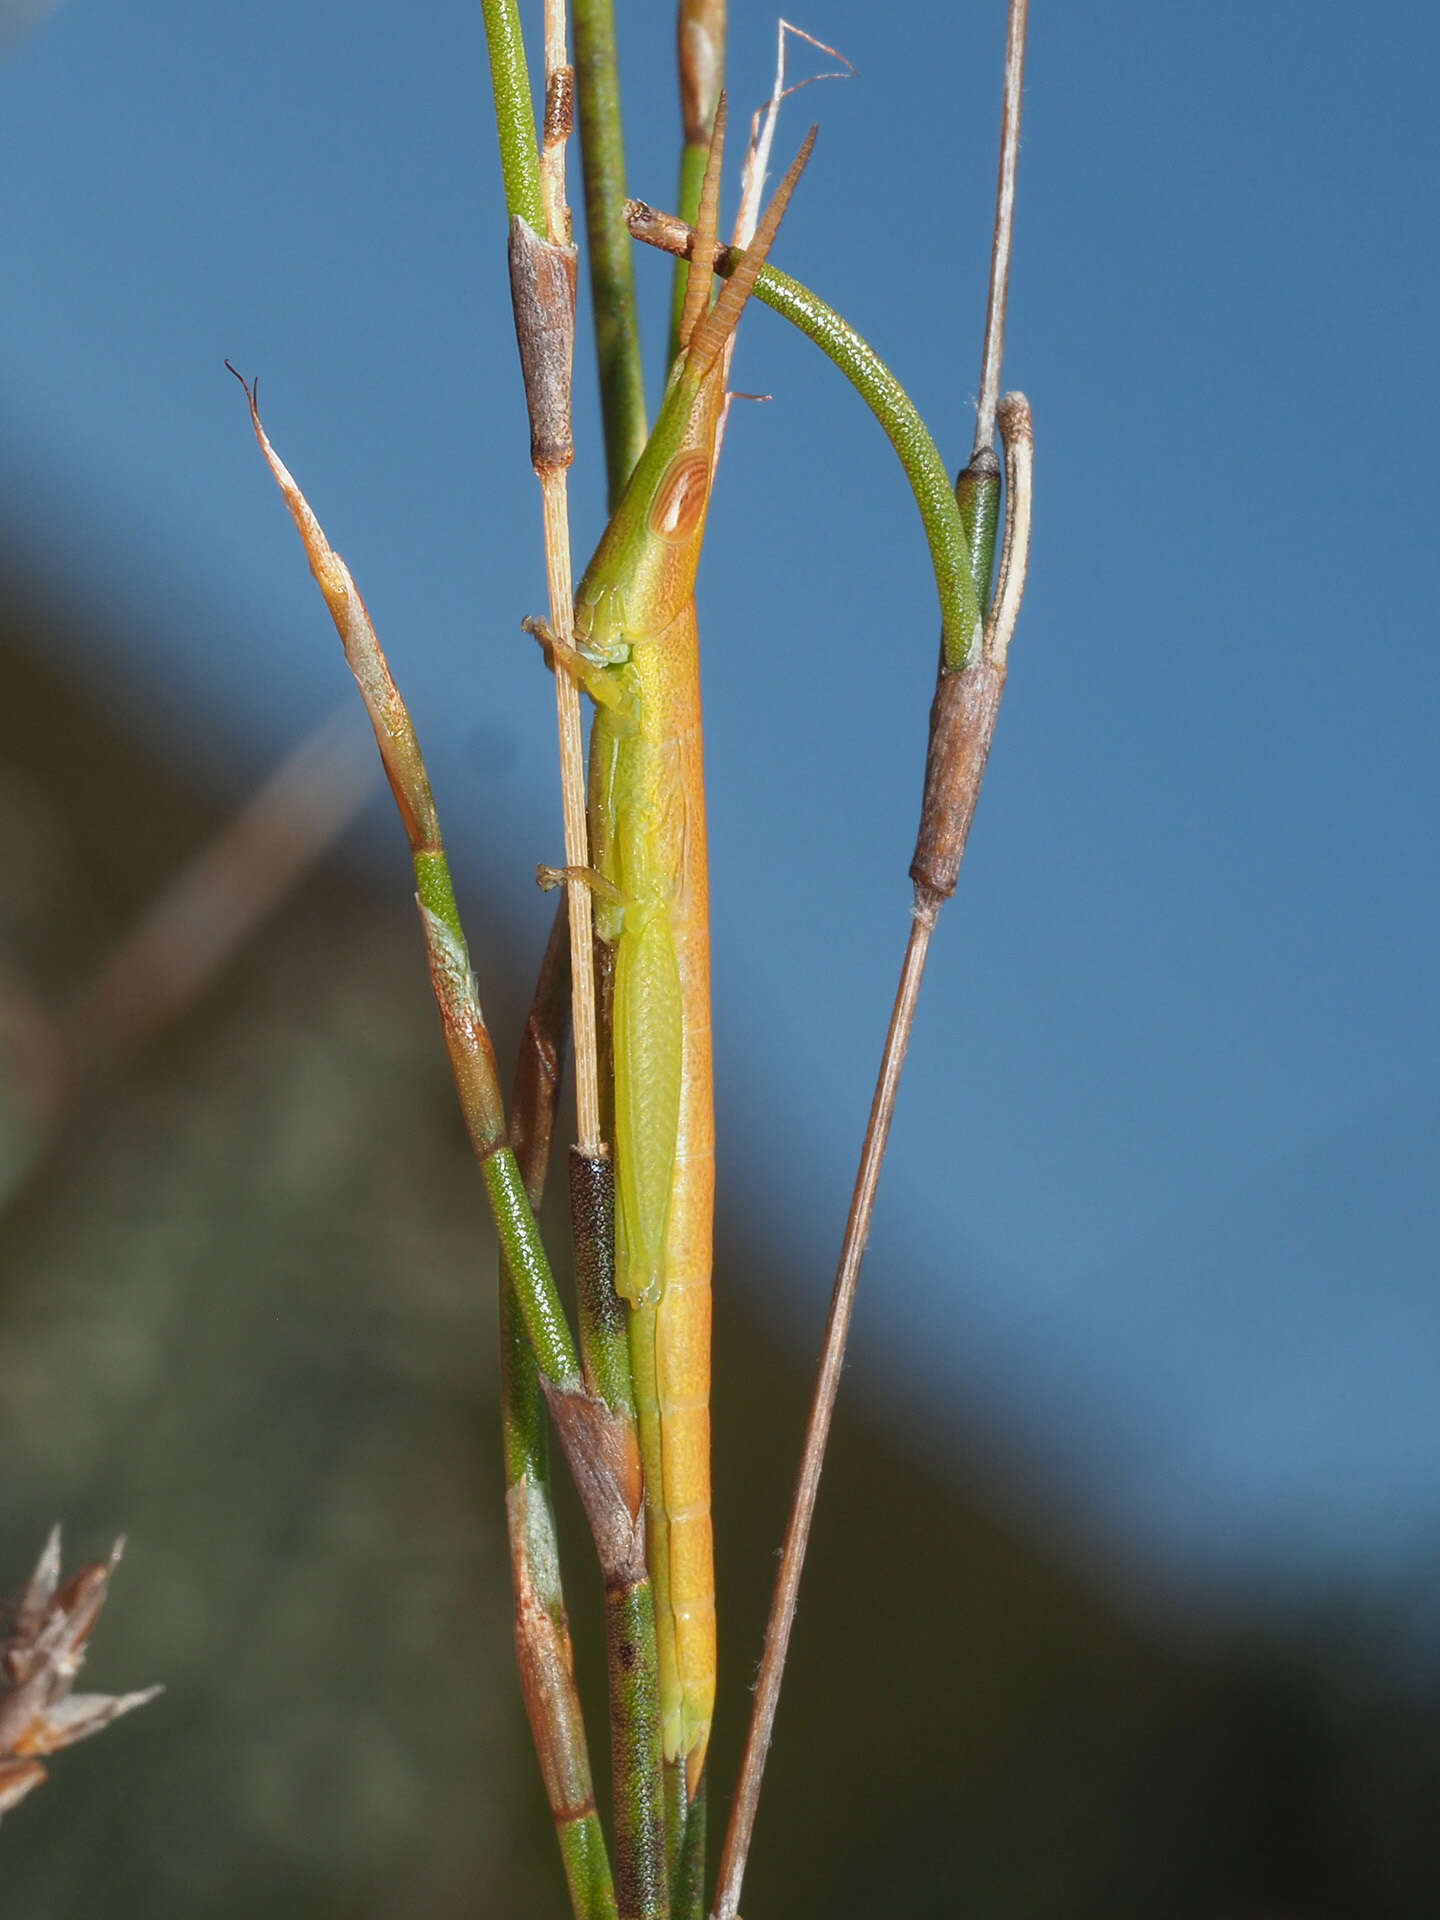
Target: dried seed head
(39, 1662)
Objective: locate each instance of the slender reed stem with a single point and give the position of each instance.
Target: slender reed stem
(817, 1433)
(542, 291)
(1000, 246)
(598, 1427)
(700, 55)
(577, 841)
(612, 281)
(962, 724)
(558, 125)
(543, 287)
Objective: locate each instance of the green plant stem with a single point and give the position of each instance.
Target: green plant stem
(641, 1860)
(949, 540)
(676, 1808)
(977, 494)
(542, 1628)
(960, 605)
(687, 1876)
(612, 280)
(514, 112)
(630, 1620)
(524, 1256)
(642, 1874)
(604, 1327)
(467, 1040)
(472, 1062)
(587, 1869)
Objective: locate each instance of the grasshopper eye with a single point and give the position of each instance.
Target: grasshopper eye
(680, 498)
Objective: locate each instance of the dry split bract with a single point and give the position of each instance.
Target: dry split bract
(40, 1660)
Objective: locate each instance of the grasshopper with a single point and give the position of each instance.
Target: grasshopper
(635, 654)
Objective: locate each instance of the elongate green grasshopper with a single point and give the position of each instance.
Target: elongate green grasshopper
(636, 655)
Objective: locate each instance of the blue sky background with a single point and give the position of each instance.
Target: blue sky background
(1161, 1211)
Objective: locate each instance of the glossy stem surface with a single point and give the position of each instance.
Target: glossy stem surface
(514, 112)
(612, 278)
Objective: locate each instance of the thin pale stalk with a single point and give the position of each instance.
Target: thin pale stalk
(559, 120)
(700, 57)
(542, 283)
(542, 288)
(573, 806)
(598, 1430)
(817, 1433)
(993, 353)
(612, 280)
(929, 478)
(962, 725)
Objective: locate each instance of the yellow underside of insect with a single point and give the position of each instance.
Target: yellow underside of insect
(636, 654)
(648, 841)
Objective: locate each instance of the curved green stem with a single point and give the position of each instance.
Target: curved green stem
(945, 529)
(959, 535)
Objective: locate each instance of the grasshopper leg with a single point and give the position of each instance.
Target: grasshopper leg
(586, 675)
(548, 878)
